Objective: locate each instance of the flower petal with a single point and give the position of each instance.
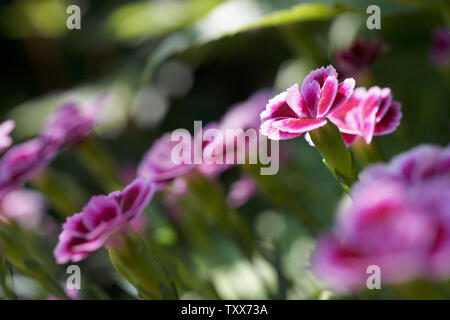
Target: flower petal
(99, 210)
(320, 75)
(311, 96)
(349, 138)
(295, 100)
(277, 107)
(390, 121)
(345, 90)
(135, 197)
(386, 100)
(327, 96)
(267, 129)
(298, 125)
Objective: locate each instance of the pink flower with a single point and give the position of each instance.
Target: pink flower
(241, 116)
(26, 207)
(399, 220)
(158, 165)
(5, 129)
(103, 216)
(440, 48)
(361, 54)
(68, 126)
(25, 160)
(366, 114)
(72, 123)
(415, 167)
(241, 191)
(299, 110)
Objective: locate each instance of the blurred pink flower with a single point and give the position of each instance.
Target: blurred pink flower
(299, 110)
(415, 167)
(399, 221)
(68, 126)
(440, 47)
(71, 123)
(6, 128)
(361, 54)
(366, 114)
(158, 165)
(23, 161)
(241, 191)
(242, 115)
(26, 207)
(103, 216)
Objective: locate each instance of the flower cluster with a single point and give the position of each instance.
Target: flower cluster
(103, 216)
(357, 113)
(398, 220)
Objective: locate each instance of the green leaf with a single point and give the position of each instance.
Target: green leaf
(233, 17)
(137, 262)
(237, 16)
(150, 19)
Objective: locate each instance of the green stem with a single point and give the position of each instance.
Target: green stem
(339, 160)
(6, 281)
(23, 252)
(134, 259)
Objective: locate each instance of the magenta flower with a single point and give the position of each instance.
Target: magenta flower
(440, 48)
(103, 216)
(399, 221)
(6, 128)
(158, 165)
(25, 160)
(417, 166)
(366, 114)
(72, 123)
(361, 54)
(299, 110)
